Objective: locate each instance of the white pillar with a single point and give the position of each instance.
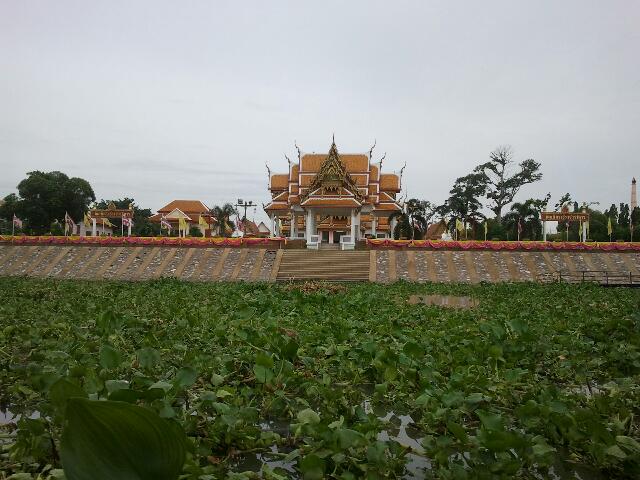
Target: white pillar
(308, 224)
(373, 225)
(353, 225)
(129, 230)
(584, 231)
(273, 225)
(94, 229)
(544, 231)
(294, 226)
(392, 226)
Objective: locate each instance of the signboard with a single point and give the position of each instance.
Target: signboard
(112, 212)
(564, 217)
(115, 213)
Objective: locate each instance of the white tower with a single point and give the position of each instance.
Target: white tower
(634, 195)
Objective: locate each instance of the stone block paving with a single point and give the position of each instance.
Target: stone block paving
(136, 262)
(501, 266)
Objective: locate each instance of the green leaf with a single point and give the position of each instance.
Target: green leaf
(348, 438)
(263, 374)
(628, 443)
(458, 431)
(308, 416)
(541, 449)
(109, 357)
(413, 350)
(186, 377)
(264, 360)
(216, 379)
(148, 357)
(105, 440)
(616, 451)
(61, 391)
(491, 421)
(312, 467)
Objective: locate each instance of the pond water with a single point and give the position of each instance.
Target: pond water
(446, 301)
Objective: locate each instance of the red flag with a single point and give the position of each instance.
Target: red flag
(16, 221)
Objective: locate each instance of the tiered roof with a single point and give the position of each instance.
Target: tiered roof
(190, 210)
(334, 180)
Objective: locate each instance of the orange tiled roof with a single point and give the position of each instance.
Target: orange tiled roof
(390, 181)
(280, 181)
(372, 187)
(187, 206)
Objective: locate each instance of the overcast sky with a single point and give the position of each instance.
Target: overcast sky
(188, 100)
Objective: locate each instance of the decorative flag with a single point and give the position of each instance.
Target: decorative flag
(16, 221)
(609, 227)
(69, 224)
(459, 225)
(164, 223)
(87, 220)
(486, 229)
(127, 222)
(182, 224)
(203, 222)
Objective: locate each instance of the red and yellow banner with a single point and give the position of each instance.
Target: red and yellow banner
(500, 245)
(274, 242)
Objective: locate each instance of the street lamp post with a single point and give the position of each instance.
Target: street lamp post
(245, 204)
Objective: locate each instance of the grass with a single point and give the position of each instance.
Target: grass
(297, 381)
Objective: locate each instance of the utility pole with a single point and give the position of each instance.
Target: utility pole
(244, 204)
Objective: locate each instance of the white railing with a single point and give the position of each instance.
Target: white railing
(346, 243)
(313, 242)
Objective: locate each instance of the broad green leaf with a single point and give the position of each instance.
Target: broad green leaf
(148, 357)
(541, 449)
(413, 350)
(263, 374)
(308, 416)
(264, 360)
(109, 357)
(628, 443)
(616, 451)
(312, 467)
(458, 431)
(61, 391)
(113, 385)
(348, 438)
(104, 440)
(216, 379)
(491, 421)
(186, 377)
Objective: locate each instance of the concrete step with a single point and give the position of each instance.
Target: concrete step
(324, 264)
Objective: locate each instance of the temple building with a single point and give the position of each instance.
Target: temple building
(333, 199)
(189, 210)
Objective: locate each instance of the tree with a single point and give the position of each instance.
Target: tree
(612, 213)
(528, 214)
(222, 218)
(564, 200)
(463, 201)
(44, 197)
(414, 219)
(634, 222)
(141, 225)
(501, 187)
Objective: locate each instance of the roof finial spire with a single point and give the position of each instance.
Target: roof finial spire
(333, 137)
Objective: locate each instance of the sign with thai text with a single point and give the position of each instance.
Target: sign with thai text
(115, 213)
(564, 217)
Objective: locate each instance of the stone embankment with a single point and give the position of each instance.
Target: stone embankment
(260, 264)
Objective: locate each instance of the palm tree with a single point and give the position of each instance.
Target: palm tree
(221, 218)
(529, 217)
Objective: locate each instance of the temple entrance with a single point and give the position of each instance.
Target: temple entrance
(336, 236)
